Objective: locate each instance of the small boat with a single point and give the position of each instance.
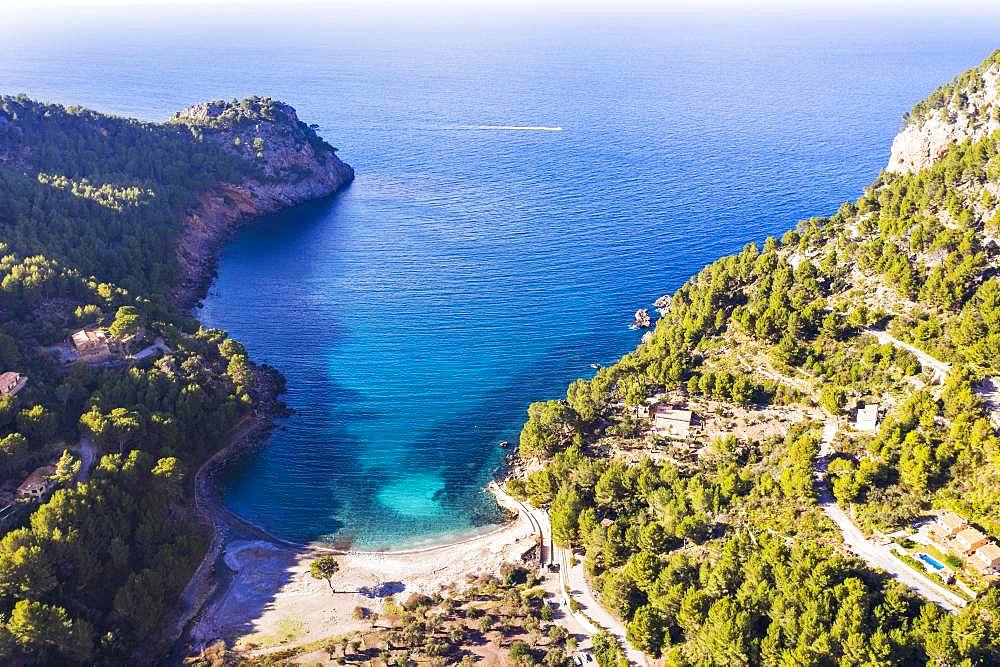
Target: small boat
(595, 366)
(504, 444)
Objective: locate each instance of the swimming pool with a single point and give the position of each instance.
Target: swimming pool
(931, 561)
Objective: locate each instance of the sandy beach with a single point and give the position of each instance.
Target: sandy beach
(272, 601)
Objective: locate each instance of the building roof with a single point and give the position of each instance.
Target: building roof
(37, 476)
(11, 383)
(867, 417)
(950, 520)
(970, 536)
(671, 421)
(672, 414)
(988, 554)
(85, 336)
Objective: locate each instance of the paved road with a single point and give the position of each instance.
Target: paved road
(988, 389)
(876, 555)
(538, 519)
(574, 578)
(571, 582)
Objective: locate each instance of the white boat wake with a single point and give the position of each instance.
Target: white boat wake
(522, 128)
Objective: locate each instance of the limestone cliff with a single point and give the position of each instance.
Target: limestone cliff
(966, 108)
(293, 165)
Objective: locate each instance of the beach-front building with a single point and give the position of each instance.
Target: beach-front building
(867, 419)
(970, 539)
(948, 524)
(91, 344)
(671, 422)
(36, 484)
(11, 383)
(986, 559)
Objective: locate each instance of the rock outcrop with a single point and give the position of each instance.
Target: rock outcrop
(967, 108)
(663, 304)
(642, 320)
(294, 165)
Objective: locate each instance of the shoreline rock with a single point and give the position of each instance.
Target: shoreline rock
(662, 304)
(642, 320)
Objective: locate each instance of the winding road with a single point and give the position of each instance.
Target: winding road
(875, 554)
(590, 617)
(878, 556)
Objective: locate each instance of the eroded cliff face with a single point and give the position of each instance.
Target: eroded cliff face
(293, 165)
(967, 108)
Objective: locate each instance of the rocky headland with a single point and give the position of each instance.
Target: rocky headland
(963, 110)
(294, 165)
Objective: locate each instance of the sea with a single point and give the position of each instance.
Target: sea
(526, 180)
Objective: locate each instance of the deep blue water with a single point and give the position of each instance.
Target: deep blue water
(468, 272)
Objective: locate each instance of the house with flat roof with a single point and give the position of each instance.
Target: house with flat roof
(36, 484)
(11, 383)
(867, 419)
(671, 422)
(986, 558)
(948, 524)
(970, 539)
(91, 344)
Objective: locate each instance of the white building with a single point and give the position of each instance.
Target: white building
(672, 423)
(867, 420)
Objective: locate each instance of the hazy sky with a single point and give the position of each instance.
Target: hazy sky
(569, 5)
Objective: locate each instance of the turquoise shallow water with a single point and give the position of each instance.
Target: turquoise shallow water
(469, 271)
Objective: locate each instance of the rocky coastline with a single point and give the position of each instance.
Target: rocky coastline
(963, 110)
(294, 166)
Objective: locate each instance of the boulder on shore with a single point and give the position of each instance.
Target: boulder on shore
(642, 319)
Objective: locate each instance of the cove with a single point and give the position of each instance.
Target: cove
(476, 264)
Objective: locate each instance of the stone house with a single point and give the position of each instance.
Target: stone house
(867, 419)
(91, 344)
(970, 539)
(986, 559)
(11, 383)
(948, 524)
(36, 484)
(645, 409)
